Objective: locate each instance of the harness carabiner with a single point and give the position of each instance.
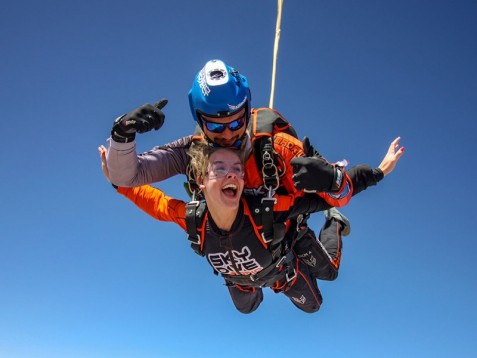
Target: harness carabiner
(271, 178)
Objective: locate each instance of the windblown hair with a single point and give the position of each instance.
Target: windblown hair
(200, 152)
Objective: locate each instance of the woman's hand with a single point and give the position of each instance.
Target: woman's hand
(392, 156)
(102, 155)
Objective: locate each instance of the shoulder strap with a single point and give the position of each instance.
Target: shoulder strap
(265, 123)
(268, 121)
(195, 214)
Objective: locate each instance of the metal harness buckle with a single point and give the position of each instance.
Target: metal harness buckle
(269, 165)
(265, 240)
(292, 277)
(280, 262)
(269, 199)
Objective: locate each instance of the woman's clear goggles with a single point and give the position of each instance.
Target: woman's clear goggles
(221, 170)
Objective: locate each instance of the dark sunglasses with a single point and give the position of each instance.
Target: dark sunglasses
(220, 127)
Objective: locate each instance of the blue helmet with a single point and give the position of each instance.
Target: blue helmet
(219, 90)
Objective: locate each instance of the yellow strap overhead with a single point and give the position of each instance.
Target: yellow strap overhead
(275, 51)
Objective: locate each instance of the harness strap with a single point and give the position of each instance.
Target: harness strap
(192, 188)
(192, 212)
(283, 254)
(267, 204)
(287, 259)
(271, 178)
(272, 233)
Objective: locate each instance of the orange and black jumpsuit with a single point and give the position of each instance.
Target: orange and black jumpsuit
(240, 254)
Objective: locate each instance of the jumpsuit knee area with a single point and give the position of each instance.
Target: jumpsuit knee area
(323, 255)
(245, 299)
(330, 238)
(304, 292)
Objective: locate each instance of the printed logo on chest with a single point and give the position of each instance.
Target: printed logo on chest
(235, 262)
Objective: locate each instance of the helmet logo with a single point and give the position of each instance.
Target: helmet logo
(233, 108)
(203, 83)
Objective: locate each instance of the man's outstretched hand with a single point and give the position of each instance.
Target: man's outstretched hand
(142, 119)
(313, 173)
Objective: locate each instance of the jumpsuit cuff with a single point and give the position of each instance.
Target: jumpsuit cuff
(121, 146)
(378, 175)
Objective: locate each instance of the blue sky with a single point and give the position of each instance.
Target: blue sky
(83, 273)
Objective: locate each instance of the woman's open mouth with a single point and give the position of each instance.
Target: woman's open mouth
(230, 190)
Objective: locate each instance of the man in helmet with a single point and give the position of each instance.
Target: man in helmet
(220, 103)
(219, 96)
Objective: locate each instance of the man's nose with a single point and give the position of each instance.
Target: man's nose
(228, 134)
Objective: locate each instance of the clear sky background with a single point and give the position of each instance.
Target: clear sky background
(83, 273)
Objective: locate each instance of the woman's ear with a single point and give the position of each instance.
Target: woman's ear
(200, 182)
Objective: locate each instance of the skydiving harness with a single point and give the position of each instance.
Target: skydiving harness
(280, 244)
(265, 122)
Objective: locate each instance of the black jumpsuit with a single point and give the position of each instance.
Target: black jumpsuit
(240, 255)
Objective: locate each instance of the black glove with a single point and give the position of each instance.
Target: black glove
(142, 119)
(314, 173)
(309, 150)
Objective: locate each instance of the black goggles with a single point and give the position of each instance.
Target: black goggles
(233, 126)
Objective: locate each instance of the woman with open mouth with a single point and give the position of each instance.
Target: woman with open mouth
(229, 232)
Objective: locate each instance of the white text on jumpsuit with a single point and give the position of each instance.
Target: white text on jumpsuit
(245, 265)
